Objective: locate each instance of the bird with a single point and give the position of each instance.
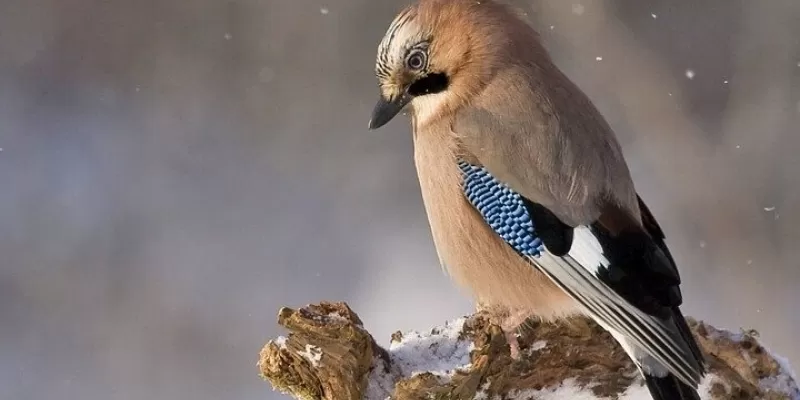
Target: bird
(530, 202)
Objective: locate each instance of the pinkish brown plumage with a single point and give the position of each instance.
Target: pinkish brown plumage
(480, 261)
(529, 198)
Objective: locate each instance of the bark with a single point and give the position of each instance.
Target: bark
(329, 355)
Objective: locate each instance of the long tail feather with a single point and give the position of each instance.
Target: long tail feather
(669, 388)
(688, 337)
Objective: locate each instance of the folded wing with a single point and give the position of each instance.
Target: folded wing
(622, 278)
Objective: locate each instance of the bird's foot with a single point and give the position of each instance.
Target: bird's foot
(513, 344)
(509, 321)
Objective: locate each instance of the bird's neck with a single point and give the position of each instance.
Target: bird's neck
(435, 155)
(432, 109)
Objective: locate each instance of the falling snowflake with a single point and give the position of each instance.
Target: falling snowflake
(690, 74)
(324, 11)
(654, 16)
(266, 75)
(599, 58)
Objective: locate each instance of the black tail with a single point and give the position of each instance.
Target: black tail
(669, 388)
(686, 333)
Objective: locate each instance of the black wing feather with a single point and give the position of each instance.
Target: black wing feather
(654, 229)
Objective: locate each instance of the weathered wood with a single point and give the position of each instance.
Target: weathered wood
(329, 355)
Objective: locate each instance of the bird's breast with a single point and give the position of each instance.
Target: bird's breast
(471, 252)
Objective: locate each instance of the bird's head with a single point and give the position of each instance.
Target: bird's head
(435, 55)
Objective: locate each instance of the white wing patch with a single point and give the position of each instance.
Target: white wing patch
(586, 250)
(647, 340)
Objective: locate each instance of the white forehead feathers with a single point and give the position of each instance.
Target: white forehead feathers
(403, 33)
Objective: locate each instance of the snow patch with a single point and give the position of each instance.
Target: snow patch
(337, 317)
(569, 389)
(381, 382)
(313, 354)
(440, 352)
(538, 345)
(280, 341)
(785, 381)
(483, 394)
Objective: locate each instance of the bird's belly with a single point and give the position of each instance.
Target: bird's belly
(477, 259)
(473, 255)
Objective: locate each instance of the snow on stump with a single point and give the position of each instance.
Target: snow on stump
(329, 355)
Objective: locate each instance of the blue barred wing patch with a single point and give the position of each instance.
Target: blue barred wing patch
(501, 208)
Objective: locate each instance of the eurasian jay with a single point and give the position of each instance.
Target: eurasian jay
(530, 201)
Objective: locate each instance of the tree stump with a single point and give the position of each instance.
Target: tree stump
(329, 355)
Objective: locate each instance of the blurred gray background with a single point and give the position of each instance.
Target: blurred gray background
(172, 172)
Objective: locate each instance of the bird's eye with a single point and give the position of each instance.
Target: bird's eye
(416, 60)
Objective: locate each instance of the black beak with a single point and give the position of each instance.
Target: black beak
(386, 110)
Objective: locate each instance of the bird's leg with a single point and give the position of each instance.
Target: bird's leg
(509, 321)
(513, 344)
